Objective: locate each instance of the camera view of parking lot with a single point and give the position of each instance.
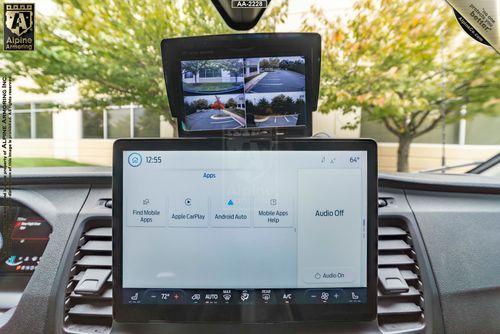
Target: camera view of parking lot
(221, 76)
(275, 74)
(215, 112)
(227, 94)
(275, 110)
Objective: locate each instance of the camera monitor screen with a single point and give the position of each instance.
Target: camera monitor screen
(243, 83)
(229, 94)
(285, 225)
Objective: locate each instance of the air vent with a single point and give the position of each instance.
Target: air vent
(400, 291)
(88, 304)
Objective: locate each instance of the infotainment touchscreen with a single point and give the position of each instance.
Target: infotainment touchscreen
(244, 230)
(237, 93)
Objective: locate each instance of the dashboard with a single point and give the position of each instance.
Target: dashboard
(23, 238)
(438, 236)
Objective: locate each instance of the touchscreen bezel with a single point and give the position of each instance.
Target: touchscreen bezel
(244, 313)
(307, 45)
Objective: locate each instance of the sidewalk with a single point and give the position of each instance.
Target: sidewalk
(249, 85)
(236, 117)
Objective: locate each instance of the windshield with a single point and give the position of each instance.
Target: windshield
(401, 72)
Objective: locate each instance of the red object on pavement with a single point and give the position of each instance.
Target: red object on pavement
(218, 104)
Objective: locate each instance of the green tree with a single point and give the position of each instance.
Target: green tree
(234, 67)
(264, 63)
(111, 49)
(278, 104)
(194, 67)
(274, 62)
(231, 103)
(262, 106)
(391, 59)
(200, 104)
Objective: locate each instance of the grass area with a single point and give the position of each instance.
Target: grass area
(45, 162)
(211, 86)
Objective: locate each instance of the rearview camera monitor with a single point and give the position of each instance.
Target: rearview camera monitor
(244, 230)
(263, 92)
(243, 84)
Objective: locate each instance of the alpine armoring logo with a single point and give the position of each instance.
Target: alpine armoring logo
(19, 27)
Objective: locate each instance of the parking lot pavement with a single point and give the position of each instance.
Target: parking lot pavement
(277, 121)
(280, 81)
(202, 121)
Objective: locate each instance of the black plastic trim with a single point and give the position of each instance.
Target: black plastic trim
(441, 183)
(481, 168)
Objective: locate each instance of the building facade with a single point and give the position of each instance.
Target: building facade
(251, 67)
(210, 75)
(43, 127)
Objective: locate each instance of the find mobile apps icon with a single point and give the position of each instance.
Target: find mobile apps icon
(134, 159)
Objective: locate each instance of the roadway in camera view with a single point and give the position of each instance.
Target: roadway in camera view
(277, 121)
(203, 120)
(280, 81)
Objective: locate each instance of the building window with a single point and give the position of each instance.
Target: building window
(43, 124)
(210, 73)
(188, 75)
(93, 121)
(118, 123)
(146, 123)
(22, 106)
(32, 120)
(22, 125)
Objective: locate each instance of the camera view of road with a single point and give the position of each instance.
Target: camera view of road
(208, 120)
(278, 121)
(279, 81)
(225, 94)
